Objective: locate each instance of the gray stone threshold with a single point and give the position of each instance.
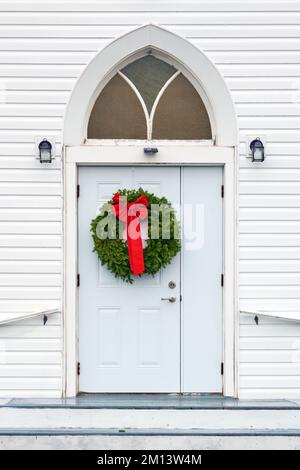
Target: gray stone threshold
(149, 432)
(151, 401)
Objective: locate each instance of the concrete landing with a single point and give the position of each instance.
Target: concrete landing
(184, 420)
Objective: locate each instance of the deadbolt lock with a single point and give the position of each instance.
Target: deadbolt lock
(172, 285)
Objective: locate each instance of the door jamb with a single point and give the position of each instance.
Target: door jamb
(93, 155)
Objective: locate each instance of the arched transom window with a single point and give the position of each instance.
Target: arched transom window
(149, 99)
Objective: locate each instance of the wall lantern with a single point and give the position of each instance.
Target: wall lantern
(257, 150)
(45, 151)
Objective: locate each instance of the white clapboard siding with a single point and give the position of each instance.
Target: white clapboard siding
(270, 200)
(114, 17)
(30, 253)
(269, 187)
(269, 227)
(267, 213)
(39, 57)
(153, 7)
(40, 124)
(263, 97)
(32, 370)
(30, 279)
(34, 293)
(34, 214)
(21, 350)
(32, 357)
(44, 97)
(268, 253)
(281, 240)
(53, 320)
(31, 175)
(270, 305)
(34, 228)
(263, 345)
(54, 202)
(30, 267)
(47, 331)
(25, 306)
(243, 44)
(25, 241)
(280, 358)
(277, 148)
(44, 46)
(30, 188)
(30, 383)
(24, 163)
(24, 149)
(34, 110)
(265, 279)
(42, 70)
(36, 84)
(274, 162)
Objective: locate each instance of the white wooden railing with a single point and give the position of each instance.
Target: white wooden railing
(10, 318)
(291, 316)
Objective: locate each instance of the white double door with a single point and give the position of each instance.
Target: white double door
(130, 339)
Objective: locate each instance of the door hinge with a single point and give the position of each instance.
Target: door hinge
(222, 280)
(222, 190)
(222, 368)
(78, 190)
(180, 297)
(78, 280)
(78, 368)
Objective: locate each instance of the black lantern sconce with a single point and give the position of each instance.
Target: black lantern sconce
(257, 150)
(45, 151)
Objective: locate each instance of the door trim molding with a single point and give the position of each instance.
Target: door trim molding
(190, 60)
(133, 155)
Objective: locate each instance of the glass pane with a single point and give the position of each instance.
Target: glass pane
(149, 75)
(180, 113)
(117, 113)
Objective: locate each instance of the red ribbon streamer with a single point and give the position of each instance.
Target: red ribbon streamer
(131, 213)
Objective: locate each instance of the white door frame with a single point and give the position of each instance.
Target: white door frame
(132, 154)
(208, 81)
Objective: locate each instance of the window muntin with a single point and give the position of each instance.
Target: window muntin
(148, 75)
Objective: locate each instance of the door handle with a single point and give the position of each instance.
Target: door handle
(170, 299)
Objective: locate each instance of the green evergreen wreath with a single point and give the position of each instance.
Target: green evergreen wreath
(112, 250)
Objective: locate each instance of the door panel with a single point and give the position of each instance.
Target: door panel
(201, 280)
(129, 338)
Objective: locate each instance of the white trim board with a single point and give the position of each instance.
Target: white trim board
(134, 155)
(292, 316)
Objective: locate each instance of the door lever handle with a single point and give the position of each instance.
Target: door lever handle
(170, 299)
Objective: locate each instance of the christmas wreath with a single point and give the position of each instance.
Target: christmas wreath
(135, 233)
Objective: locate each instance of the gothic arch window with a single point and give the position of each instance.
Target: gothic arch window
(149, 99)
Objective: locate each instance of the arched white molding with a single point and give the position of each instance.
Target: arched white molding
(197, 66)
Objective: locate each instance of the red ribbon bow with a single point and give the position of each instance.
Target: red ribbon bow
(131, 213)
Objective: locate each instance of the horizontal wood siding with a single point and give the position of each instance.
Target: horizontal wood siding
(44, 47)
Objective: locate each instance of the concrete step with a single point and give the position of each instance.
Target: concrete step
(164, 420)
(141, 442)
